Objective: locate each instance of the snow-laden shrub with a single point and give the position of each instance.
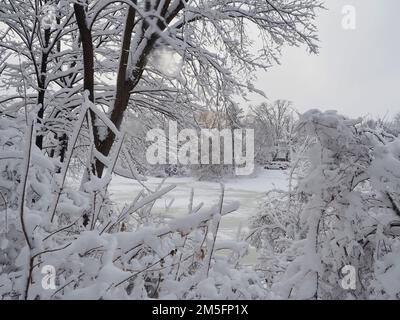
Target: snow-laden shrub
(347, 211)
(58, 241)
(12, 156)
(274, 229)
(37, 191)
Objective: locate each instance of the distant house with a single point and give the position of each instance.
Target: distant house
(281, 151)
(213, 120)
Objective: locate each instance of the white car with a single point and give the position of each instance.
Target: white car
(277, 165)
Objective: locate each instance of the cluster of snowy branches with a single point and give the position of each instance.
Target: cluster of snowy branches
(97, 251)
(167, 58)
(343, 211)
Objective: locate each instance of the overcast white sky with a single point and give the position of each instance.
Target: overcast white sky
(357, 71)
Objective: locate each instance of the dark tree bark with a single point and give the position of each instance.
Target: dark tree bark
(124, 87)
(125, 82)
(88, 63)
(87, 48)
(42, 87)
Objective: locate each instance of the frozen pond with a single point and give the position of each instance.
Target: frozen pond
(247, 190)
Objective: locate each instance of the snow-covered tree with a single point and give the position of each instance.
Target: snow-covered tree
(347, 208)
(274, 125)
(39, 64)
(208, 40)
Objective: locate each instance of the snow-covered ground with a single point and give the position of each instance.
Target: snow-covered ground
(247, 190)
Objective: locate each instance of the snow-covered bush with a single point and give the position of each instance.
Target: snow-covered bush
(59, 241)
(347, 208)
(273, 230)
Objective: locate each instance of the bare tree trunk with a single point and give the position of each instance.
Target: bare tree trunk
(87, 48)
(42, 87)
(125, 82)
(122, 90)
(124, 86)
(88, 62)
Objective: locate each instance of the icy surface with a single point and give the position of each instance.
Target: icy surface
(248, 191)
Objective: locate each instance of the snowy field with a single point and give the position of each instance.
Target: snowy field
(247, 190)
